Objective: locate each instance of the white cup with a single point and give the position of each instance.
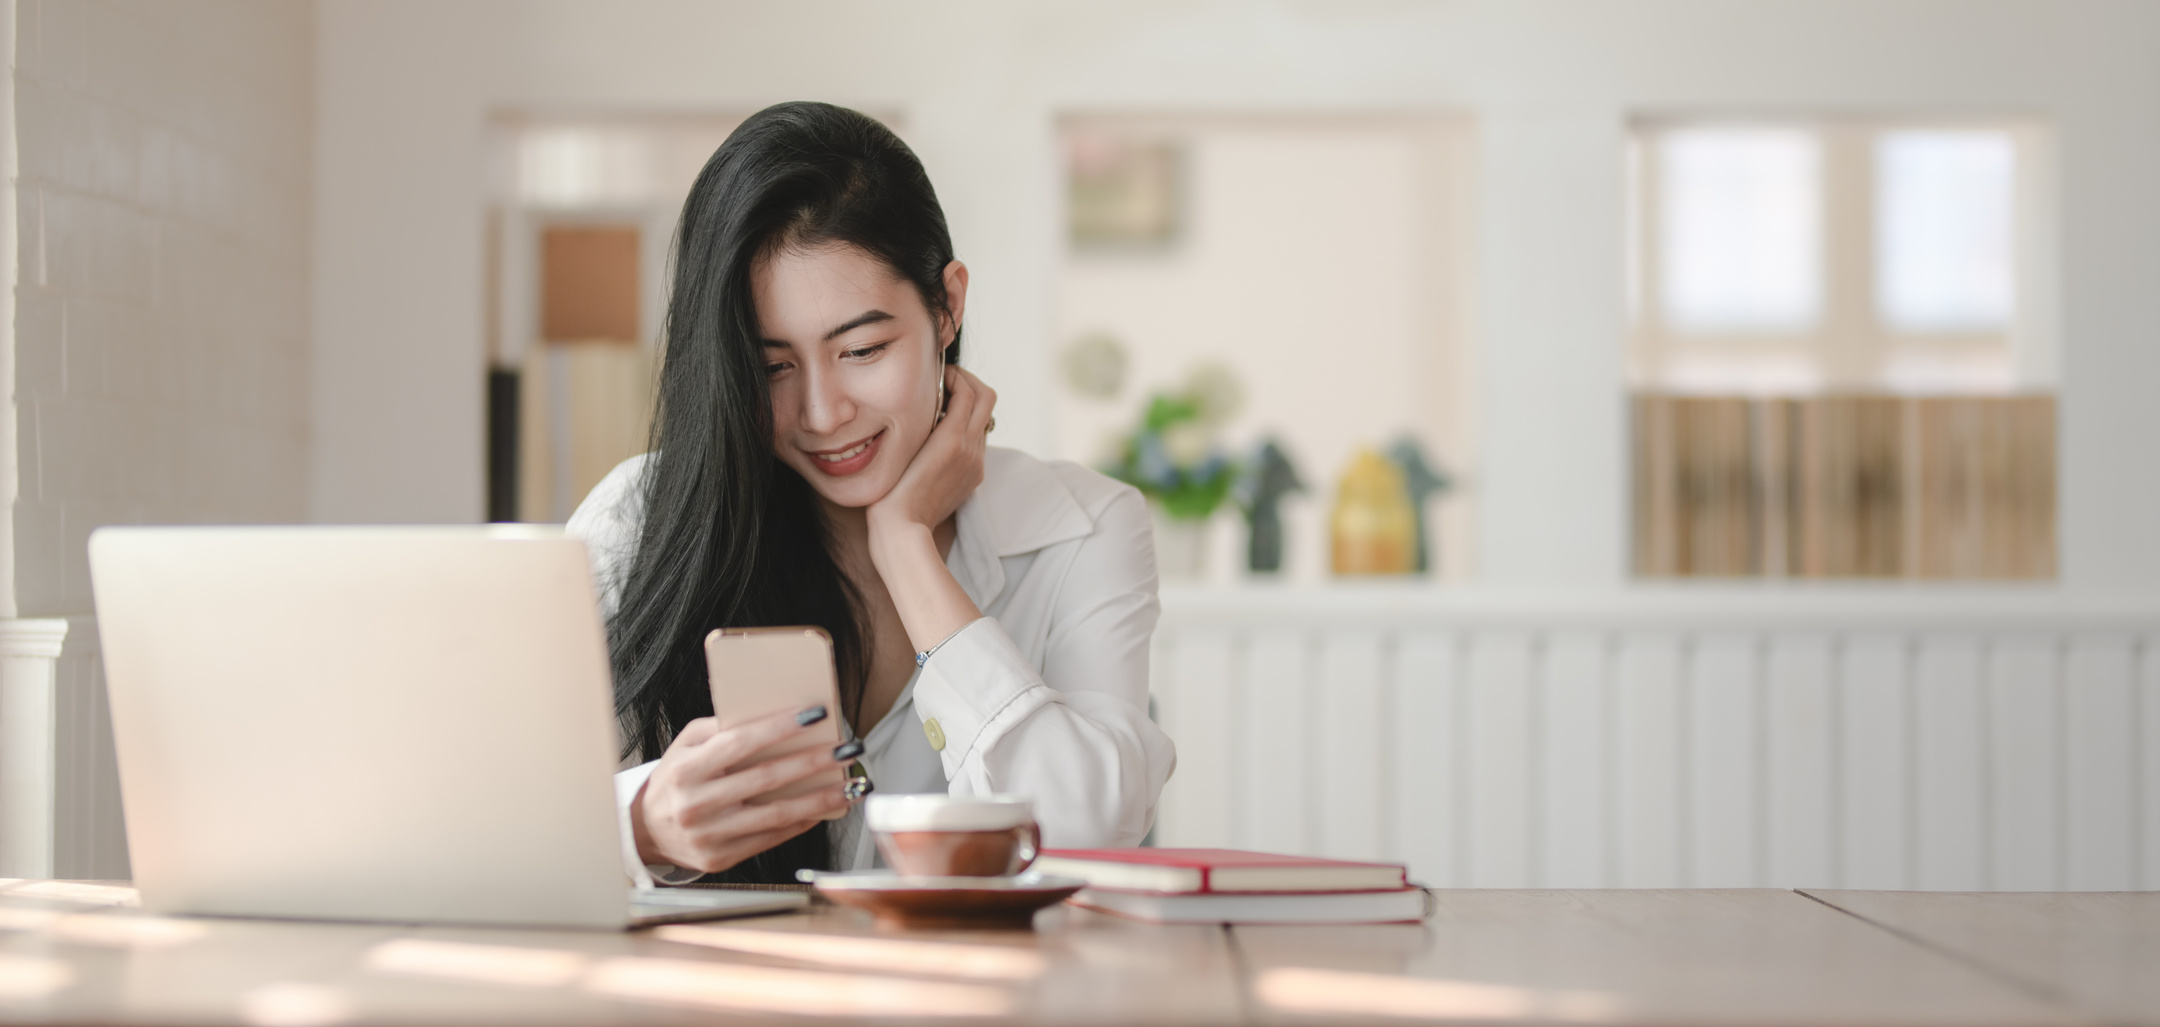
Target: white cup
(945, 836)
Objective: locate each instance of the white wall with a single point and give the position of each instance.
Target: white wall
(161, 313)
(159, 357)
(405, 86)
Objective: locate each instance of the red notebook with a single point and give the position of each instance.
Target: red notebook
(1187, 871)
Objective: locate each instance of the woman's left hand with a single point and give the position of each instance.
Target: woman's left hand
(903, 525)
(949, 465)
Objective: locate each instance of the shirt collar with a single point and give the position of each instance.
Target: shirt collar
(1020, 507)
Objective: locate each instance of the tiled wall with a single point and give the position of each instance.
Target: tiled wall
(166, 159)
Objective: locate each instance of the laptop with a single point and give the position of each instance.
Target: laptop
(392, 724)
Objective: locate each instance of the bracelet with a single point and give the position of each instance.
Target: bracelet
(924, 656)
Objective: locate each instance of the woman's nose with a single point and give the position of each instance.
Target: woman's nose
(826, 406)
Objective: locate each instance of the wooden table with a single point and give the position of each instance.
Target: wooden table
(2096, 952)
(76, 953)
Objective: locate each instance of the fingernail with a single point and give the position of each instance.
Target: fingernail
(856, 788)
(810, 716)
(847, 750)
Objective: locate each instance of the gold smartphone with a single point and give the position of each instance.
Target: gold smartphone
(757, 672)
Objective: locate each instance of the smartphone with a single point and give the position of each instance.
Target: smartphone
(757, 672)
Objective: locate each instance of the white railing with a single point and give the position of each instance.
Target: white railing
(1895, 737)
(59, 789)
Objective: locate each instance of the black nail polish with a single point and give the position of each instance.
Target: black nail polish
(847, 750)
(857, 788)
(810, 716)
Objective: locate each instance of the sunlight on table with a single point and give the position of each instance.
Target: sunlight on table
(26, 978)
(75, 891)
(489, 964)
(1331, 991)
(133, 932)
(939, 958)
(800, 992)
(295, 1004)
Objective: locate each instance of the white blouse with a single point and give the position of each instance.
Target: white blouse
(1046, 696)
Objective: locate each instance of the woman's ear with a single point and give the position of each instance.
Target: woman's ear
(956, 279)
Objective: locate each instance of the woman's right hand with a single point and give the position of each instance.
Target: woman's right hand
(695, 809)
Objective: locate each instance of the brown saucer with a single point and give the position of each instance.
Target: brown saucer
(946, 901)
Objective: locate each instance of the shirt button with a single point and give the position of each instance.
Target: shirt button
(935, 734)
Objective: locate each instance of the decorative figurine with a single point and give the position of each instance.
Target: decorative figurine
(1372, 528)
(1421, 481)
(1260, 490)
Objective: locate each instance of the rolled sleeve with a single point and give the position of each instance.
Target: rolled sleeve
(975, 687)
(642, 874)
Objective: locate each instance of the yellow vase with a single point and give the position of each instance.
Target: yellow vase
(1373, 529)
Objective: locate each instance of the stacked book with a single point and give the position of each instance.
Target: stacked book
(1228, 886)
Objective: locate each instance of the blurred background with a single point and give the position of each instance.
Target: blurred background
(1609, 442)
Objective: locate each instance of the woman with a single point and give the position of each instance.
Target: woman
(990, 612)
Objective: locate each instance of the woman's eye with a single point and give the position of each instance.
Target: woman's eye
(866, 351)
(773, 369)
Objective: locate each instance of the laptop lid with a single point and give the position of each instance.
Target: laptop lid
(408, 724)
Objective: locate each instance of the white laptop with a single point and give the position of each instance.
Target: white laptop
(396, 724)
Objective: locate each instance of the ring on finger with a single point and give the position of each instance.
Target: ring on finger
(991, 427)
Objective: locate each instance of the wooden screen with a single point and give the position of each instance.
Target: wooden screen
(1850, 486)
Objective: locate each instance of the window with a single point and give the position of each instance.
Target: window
(1740, 217)
(1840, 349)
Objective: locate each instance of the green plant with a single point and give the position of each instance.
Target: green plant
(1173, 456)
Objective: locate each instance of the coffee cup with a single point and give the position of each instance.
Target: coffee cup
(951, 836)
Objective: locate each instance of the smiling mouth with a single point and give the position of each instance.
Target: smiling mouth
(846, 454)
(849, 460)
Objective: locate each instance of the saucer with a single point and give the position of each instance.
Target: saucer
(944, 901)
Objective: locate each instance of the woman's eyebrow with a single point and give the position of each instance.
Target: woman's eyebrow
(869, 317)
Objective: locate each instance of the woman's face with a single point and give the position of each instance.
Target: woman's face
(851, 354)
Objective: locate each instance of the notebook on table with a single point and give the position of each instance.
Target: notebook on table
(1218, 870)
(1235, 886)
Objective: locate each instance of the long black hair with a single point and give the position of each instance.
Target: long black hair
(731, 536)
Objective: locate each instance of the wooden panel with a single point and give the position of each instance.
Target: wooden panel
(1274, 744)
(1502, 796)
(1430, 755)
(1986, 477)
(1800, 722)
(2094, 952)
(1352, 787)
(1949, 769)
(1193, 691)
(1847, 491)
(1723, 772)
(2099, 768)
(1717, 515)
(589, 283)
(2024, 782)
(1571, 752)
(1647, 746)
(1624, 957)
(1874, 788)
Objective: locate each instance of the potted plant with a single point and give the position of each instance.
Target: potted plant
(1174, 456)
